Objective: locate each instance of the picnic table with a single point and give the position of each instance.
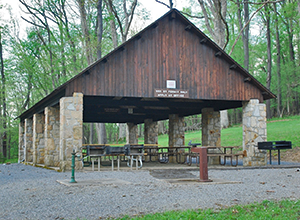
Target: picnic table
(96, 151)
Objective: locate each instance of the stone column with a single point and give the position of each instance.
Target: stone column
(211, 132)
(71, 117)
(176, 135)
(254, 131)
(52, 136)
(21, 142)
(38, 139)
(132, 133)
(28, 154)
(150, 136)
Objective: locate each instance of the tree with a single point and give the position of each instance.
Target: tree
(214, 12)
(269, 55)
(125, 14)
(3, 115)
(101, 131)
(278, 63)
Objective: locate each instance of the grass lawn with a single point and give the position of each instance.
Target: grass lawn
(285, 209)
(287, 129)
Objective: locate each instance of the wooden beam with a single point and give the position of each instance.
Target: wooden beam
(203, 40)
(233, 66)
(187, 28)
(172, 16)
(218, 54)
(155, 24)
(248, 79)
(121, 48)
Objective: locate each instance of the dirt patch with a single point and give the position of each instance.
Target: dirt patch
(172, 174)
(278, 120)
(292, 155)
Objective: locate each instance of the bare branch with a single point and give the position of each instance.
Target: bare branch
(34, 24)
(206, 18)
(236, 40)
(191, 16)
(259, 3)
(134, 3)
(163, 3)
(109, 2)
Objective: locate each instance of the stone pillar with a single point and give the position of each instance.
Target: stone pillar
(176, 135)
(28, 153)
(132, 133)
(21, 142)
(38, 139)
(150, 136)
(254, 131)
(52, 136)
(211, 132)
(71, 129)
(150, 132)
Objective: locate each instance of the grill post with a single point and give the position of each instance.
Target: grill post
(202, 163)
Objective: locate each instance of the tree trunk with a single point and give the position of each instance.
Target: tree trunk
(122, 131)
(161, 127)
(113, 28)
(246, 36)
(91, 136)
(3, 100)
(279, 104)
(269, 55)
(101, 133)
(99, 28)
(100, 127)
(85, 31)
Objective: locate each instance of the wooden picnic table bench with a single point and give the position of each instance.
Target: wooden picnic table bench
(223, 153)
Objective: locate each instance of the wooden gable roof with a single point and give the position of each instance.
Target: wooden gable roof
(171, 48)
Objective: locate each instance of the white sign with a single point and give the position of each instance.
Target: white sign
(171, 84)
(171, 93)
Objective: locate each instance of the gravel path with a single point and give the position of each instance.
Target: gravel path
(32, 193)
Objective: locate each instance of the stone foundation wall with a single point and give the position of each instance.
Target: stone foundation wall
(52, 136)
(176, 134)
(28, 140)
(211, 132)
(38, 139)
(21, 142)
(71, 117)
(254, 131)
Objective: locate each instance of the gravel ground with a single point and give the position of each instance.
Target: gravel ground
(32, 193)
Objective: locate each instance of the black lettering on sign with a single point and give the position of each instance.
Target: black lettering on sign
(171, 93)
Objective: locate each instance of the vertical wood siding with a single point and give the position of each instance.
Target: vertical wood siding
(167, 51)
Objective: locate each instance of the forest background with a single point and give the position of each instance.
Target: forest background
(62, 37)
